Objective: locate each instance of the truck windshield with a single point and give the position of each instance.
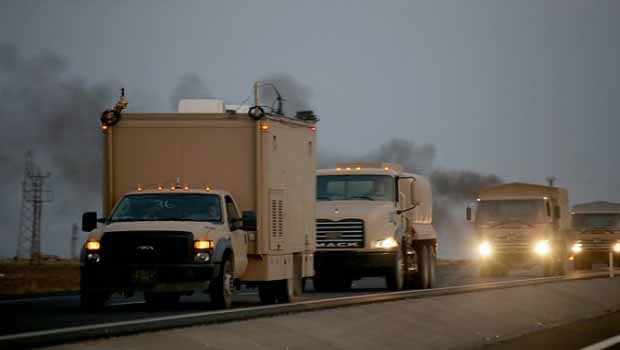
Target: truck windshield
(355, 187)
(498, 212)
(168, 207)
(596, 221)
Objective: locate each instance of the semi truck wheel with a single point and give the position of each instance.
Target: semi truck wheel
(431, 267)
(222, 286)
(395, 278)
(422, 279)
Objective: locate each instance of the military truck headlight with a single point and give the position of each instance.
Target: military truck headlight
(485, 249)
(616, 247)
(577, 248)
(387, 243)
(542, 248)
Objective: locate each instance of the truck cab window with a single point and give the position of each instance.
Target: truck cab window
(231, 209)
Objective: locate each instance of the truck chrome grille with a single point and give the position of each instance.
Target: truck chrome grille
(597, 244)
(147, 247)
(347, 233)
(511, 244)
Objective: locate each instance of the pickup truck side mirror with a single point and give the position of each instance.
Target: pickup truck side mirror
(89, 221)
(468, 214)
(249, 221)
(236, 224)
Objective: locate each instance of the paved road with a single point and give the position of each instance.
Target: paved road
(64, 311)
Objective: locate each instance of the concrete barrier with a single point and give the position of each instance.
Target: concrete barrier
(450, 321)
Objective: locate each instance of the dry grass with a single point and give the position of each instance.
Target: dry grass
(20, 277)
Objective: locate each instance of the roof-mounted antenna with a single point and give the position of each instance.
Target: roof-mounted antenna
(551, 180)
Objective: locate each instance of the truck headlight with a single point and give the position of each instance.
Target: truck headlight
(542, 248)
(485, 249)
(616, 247)
(202, 257)
(203, 244)
(93, 245)
(387, 243)
(577, 248)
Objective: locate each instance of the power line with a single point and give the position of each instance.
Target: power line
(34, 195)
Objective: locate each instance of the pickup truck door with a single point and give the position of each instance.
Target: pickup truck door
(238, 237)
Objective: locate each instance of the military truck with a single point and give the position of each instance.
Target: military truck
(595, 233)
(202, 201)
(521, 225)
(373, 220)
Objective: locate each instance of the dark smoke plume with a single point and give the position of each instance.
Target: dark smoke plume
(296, 96)
(452, 189)
(190, 85)
(44, 108)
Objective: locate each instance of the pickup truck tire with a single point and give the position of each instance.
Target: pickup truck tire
(285, 292)
(162, 299)
(222, 286)
(267, 292)
(93, 301)
(395, 278)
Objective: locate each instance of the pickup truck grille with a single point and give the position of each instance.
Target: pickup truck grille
(147, 247)
(347, 233)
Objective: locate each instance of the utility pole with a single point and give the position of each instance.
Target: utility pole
(75, 235)
(29, 240)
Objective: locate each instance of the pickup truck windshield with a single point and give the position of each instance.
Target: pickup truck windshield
(355, 187)
(168, 207)
(596, 221)
(499, 212)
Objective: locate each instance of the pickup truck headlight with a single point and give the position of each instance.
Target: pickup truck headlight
(387, 243)
(203, 244)
(542, 248)
(577, 248)
(485, 249)
(93, 245)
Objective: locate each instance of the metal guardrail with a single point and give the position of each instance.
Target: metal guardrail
(73, 334)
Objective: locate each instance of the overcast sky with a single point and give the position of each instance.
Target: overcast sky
(522, 89)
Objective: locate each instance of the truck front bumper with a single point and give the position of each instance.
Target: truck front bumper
(353, 264)
(132, 277)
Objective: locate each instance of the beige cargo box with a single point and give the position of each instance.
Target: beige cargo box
(268, 166)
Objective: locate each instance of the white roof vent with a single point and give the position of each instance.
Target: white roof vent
(201, 106)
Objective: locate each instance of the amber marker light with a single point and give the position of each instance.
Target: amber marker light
(93, 245)
(203, 244)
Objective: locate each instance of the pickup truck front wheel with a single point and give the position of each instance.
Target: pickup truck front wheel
(93, 301)
(222, 286)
